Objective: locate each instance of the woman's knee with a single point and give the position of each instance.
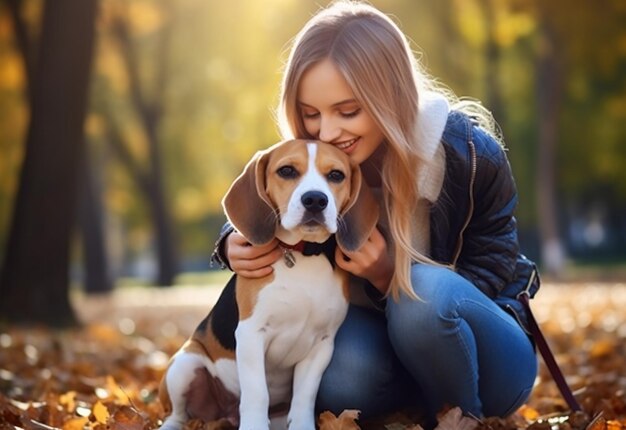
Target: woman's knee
(364, 373)
(438, 290)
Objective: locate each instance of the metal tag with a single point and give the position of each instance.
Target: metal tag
(290, 260)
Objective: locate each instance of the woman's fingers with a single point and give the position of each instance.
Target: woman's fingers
(258, 273)
(248, 260)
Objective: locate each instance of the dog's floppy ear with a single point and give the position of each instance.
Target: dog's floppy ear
(359, 216)
(247, 204)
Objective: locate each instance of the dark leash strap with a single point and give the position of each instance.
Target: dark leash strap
(547, 355)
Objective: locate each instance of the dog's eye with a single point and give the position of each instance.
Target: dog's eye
(336, 176)
(287, 172)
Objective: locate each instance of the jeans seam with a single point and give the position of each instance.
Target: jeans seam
(466, 349)
(510, 320)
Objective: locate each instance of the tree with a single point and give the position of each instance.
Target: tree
(90, 219)
(150, 179)
(34, 282)
(549, 94)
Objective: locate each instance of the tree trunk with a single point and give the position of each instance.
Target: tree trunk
(98, 278)
(549, 87)
(493, 94)
(164, 234)
(34, 283)
(150, 180)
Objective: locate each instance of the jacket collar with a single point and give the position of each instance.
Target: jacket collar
(432, 117)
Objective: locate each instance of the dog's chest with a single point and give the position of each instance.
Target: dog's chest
(304, 304)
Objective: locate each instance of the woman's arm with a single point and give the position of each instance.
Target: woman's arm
(233, 251)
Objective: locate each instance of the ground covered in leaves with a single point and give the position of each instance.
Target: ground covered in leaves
(106, 375)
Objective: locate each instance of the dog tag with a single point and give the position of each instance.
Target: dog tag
(290, 260)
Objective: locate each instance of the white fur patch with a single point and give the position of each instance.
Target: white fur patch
(312, 180)
(287, 342)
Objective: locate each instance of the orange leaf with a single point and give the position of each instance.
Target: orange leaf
(75, 423)
(345, 421)
(126, 418)
(100, 412)
(529, 414)
(613, 425)
(68, 400)
(598, 423)
(116, 391)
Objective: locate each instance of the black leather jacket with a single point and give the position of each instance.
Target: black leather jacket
(472, 224)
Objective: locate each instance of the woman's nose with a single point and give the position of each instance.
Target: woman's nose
(329, 130)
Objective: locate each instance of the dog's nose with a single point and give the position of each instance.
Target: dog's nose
(314, 201)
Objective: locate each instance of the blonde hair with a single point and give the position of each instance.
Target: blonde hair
(375, 59)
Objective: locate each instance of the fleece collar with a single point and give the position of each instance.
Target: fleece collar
(431, 121)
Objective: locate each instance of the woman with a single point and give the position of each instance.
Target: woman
(443, 268)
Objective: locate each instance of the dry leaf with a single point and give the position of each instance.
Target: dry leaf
(529, 414)
(68, 400)
(51, 379)
(345, 421)
(615, 425)
(454, 420)
(76, 423)
(126, 418)
(100, 412)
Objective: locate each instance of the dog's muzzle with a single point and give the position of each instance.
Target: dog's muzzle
(314, 203)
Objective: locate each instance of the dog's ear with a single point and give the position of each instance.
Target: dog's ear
(247, 204)
(359, 216)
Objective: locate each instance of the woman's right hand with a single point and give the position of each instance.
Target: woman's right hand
(248, 260)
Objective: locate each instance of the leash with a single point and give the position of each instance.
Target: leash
(546, 353)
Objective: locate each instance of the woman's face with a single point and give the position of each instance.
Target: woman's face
(331, 113)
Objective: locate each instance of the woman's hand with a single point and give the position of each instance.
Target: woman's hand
(372, 261)
(248, 260)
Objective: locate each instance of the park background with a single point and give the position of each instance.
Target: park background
(123, 122)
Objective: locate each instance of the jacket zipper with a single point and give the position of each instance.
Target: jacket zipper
(459, 244)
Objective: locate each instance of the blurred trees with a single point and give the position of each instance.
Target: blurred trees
(149, 107)
(34, 279)
(182, 94)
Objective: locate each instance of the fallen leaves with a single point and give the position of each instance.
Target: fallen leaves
(105, 376)
(454, 420)
(345, 421)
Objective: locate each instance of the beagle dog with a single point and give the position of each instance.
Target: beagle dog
(261, 351)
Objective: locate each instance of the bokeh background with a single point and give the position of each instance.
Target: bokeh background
(123, 122)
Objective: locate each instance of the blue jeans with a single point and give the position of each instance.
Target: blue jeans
(453, 347)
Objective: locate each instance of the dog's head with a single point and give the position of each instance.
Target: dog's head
(302, 190)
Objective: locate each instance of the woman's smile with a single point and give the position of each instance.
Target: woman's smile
(347, 146)
(331, 113)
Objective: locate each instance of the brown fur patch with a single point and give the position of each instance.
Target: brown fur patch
(207, 344)
(207, 398)
(279, 189)
(247, 293)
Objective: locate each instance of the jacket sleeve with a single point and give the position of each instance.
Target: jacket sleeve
(490, 245)
(219, 256)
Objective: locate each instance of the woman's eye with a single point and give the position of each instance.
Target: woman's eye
(310, 115)
(336, 176)
(351, 114)
(287, 172)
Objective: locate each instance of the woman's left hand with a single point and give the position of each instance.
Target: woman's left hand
(372, 261)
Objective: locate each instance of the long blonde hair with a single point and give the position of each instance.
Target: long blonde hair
(375, 59)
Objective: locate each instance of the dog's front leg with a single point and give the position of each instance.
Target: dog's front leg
(306, 382)
(254, 402)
